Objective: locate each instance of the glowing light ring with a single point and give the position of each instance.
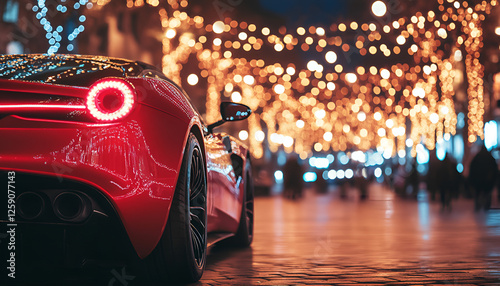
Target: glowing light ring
(127, 94)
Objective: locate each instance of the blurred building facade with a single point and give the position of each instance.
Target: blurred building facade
(137, 29)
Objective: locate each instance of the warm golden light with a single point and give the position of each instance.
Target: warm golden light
(170, 33)
(243, 135)
(379, 8)
(331, 57)
(328, 136)
(260, 135)
(361, 116)
(351, 77)
(400, 40)
(389, 123)
(248, 79)
(192, 79)
(306, 102)
(442, 33)
(385, 74)
(418, 92)
(236, 96)
(279, 89)
(434, 117)
(330, 86)
(312, 65)
(218, 27)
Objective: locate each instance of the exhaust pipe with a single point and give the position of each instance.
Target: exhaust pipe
(30, 205)
(72, 206)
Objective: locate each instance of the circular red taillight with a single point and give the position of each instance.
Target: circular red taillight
(110, 99)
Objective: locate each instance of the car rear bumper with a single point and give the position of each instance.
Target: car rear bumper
(45, 243)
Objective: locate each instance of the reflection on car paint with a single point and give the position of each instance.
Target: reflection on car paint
(116, 150)
(171, 94)
(218, 160)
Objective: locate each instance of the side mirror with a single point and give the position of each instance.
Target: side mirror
(231, 111)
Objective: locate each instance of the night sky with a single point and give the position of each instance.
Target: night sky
(313, 12)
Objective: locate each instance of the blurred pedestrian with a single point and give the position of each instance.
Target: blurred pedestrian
(498, 186)
(413, 180)
(432, 176)
(399, 182)
(361, 182)
(482, 176)
(321, 184)
(292, 177)
(447, 181)
(343, 186)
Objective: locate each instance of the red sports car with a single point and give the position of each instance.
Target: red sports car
(105, 160)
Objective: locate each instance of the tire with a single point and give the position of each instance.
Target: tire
(180, 256)
(244, 234)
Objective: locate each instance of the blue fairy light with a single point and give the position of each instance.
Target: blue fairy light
(53, 35)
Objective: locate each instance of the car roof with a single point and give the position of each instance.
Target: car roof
(61, 68)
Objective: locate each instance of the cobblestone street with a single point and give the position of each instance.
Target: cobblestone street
(384, 240)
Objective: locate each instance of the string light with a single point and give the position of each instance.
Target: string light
(308, 103)
(54, 34)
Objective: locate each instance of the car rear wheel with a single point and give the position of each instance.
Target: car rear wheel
(180, 255)
(244, 235)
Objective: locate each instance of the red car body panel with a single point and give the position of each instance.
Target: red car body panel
(224, 204)
(134, 162)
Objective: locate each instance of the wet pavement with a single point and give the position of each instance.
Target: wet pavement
(384, 240)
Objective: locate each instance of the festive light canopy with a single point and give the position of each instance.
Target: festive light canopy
(328, 102)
